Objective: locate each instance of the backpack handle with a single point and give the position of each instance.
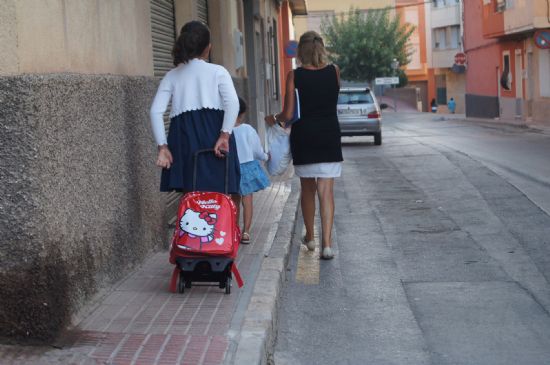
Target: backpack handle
(195, 163)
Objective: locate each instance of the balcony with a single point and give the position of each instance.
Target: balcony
(444, 58)
(507, 17)
(444, 15)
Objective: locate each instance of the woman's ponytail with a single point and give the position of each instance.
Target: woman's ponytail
(191, 43)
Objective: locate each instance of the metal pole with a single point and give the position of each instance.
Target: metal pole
(394, 65)
(394, 103)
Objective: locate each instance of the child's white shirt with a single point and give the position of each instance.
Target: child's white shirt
(249, 147)
(194, 85)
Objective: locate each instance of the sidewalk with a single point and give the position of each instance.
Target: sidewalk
(140, 322)
(514, 123)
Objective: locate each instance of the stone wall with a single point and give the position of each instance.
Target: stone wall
(80, 203)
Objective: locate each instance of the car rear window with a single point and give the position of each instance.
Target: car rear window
(355, 97)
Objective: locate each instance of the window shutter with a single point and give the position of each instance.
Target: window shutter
(202, 11)
(163, 30)
(164, 34)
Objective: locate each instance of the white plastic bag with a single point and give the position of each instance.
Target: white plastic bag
(278, 144)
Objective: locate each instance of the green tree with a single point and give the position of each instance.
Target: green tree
(364, 44)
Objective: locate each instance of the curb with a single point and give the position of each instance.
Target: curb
(520, 124)
(260, 324)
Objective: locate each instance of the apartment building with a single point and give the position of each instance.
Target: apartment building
(318, 10)
(420, 74)
(508, 67)
(445, 46)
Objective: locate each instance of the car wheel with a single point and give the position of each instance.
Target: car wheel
(378, 138)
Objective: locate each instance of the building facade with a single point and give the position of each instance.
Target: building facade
(289, 10)
(444, 43)
(418, 71)
(509, 60)
(430, 68)
(81, 205)
(482, 86)
(318, 10)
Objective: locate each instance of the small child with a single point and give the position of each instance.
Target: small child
(253, 177)
(433, 106)
(451, 105)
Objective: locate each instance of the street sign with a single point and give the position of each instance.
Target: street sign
(291, 49)
(460, 58)
(542, 39)
(386, 80)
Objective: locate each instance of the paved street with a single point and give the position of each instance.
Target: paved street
(443, 252)
(520, 155)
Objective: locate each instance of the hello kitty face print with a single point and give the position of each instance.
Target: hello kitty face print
(198, 225)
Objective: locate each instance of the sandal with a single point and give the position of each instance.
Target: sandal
(245, 238)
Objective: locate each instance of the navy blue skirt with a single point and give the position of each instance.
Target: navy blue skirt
(196, 130)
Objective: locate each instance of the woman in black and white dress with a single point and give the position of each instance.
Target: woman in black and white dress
(315, 139)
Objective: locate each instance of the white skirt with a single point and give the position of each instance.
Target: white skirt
(323, 169)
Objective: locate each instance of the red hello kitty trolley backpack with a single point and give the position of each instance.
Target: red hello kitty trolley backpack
(206, 239)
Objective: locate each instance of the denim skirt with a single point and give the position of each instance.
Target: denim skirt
(253, 178)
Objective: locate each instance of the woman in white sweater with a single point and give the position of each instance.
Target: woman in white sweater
(204, 109)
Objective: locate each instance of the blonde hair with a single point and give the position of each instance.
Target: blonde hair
(311, 50)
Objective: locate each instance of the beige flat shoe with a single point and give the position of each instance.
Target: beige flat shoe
(309, 244)
(327, 253)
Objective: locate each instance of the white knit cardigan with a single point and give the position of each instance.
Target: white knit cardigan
(194, 85)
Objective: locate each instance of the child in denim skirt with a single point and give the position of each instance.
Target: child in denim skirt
(253, 177)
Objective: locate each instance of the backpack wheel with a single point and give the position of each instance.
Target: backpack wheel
(228, 285)
(182, 284)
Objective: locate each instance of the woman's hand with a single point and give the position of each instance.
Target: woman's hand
(270, 120)
(164, 159)
(222, 145)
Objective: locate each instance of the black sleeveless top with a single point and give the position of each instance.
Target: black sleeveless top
(316, 137)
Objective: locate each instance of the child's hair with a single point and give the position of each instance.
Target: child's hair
(192, 41)
(242, 106)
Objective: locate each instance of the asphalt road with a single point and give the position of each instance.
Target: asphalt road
(443, 252)
(522, 156)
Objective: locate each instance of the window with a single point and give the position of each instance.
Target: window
(506, 78)
(440, 38)
(443, 3)
(355, 97)
(500, 5)
(453, 36)
(447, 38)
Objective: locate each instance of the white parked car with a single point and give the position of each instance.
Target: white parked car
(359, 113)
